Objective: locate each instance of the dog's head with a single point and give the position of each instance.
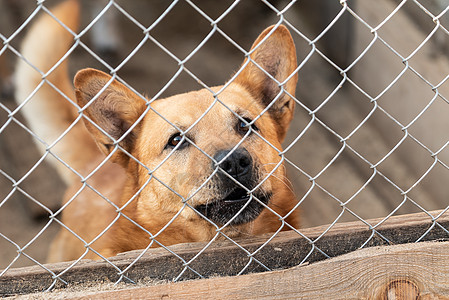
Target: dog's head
(214, 151)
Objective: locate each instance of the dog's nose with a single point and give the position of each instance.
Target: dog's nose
(238, 164)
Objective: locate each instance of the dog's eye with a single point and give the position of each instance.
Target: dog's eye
(243, 126)
(175, 140)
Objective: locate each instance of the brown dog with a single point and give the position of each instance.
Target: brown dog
(188, 168)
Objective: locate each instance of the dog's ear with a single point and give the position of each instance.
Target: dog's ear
(115, 109)
(273, 51)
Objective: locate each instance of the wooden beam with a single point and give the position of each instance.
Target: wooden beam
(224, 258)
(393, 272)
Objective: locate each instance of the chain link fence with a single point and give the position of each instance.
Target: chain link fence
(369, 137)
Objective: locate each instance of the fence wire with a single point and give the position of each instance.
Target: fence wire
(368, 139)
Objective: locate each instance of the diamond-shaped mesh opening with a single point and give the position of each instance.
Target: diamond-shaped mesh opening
(412, 105)
(439, 137)
(377, 57)
(364, 142)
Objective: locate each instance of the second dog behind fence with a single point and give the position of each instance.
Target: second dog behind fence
(193, 167)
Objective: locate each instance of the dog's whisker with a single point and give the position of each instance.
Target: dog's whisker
(284, 181)
(281, 167)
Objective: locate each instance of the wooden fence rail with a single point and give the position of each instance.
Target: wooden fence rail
(410, 271)
(286, 250)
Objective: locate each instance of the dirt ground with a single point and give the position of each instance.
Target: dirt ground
(24, 223)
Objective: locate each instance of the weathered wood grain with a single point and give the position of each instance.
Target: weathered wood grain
(393, 272)
(224, 258)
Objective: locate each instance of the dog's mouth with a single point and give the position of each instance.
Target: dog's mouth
(238, 207)
(236, 196)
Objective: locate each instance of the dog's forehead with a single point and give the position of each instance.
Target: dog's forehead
(205, 105)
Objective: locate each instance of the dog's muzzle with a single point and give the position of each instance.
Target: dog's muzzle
(236, 177)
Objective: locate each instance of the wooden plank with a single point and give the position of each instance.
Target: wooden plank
(393, 272)
(224, 258)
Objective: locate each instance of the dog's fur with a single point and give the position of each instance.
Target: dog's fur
(137, 181)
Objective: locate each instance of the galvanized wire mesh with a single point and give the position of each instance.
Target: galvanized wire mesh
(369, 138)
